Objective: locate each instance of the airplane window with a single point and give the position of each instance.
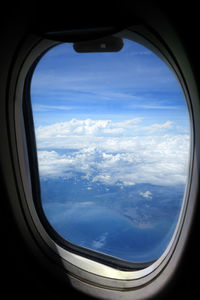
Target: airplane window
(113, 144)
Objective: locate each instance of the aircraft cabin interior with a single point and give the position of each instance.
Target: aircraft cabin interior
(100, 150)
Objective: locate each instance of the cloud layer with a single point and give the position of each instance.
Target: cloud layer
(121, 153)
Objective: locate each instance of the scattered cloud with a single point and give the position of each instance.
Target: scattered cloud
(113, 152)
(146, 195)
(46, 108)
(100, 242)
(157, 127)
(84, 129)
(157, 107)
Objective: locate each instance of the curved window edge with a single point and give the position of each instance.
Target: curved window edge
(84, 268)
(104, 259)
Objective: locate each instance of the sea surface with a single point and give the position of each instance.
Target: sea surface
(122, 224)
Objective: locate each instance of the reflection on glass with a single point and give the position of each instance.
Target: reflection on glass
(112, 132)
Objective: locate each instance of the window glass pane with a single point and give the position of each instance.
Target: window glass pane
(113, 136)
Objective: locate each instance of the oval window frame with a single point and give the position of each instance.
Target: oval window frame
(85, 269)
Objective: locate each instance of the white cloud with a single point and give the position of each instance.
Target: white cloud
(102, 154)
(155, 106)
(156, 126)
(87, 127)
(44, 108)
(129, 183)
(146, 195)
(100, 242)
(77, 134)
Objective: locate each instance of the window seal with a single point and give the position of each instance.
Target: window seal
(81, 267)
(34, 174)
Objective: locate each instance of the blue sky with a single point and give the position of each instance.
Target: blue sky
(109, 120)
(116, 86)
(123, 114)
